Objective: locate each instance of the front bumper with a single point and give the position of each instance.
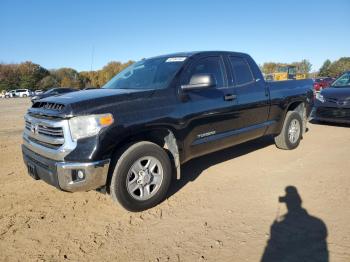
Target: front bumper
(332, 114)
(64, 175)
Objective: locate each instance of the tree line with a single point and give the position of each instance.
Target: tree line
(335, 68)
(303, 67)
(33, 76)
(330, 69)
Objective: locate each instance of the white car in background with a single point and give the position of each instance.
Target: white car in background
(22, 93)
(38, 92)
(7, 94)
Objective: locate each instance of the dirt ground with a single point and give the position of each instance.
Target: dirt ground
(225, 208)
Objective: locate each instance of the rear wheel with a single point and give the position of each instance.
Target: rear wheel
(141, 177)
(291, 133)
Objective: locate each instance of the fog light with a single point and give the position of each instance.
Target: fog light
(81, 174)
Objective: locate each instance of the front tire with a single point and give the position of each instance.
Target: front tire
(291, 132)
(141, 177)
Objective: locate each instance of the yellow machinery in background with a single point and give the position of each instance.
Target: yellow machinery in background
(285, 72)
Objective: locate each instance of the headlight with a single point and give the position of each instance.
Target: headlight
(86, 126)
(320, 98)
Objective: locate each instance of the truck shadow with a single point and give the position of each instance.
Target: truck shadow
(296, 236)
(192, 169)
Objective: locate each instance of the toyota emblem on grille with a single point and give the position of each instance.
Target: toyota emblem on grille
(341, 103)
(34, 128)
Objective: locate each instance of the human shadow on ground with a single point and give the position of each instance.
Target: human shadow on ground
(296, 236)
(192, 169)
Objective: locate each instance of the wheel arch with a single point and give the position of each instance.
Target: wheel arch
(300, 107)
(162, 136)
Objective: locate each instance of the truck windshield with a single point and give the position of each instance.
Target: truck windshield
(343, 81)
(153, 73)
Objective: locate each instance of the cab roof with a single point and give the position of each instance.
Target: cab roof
(192, 53)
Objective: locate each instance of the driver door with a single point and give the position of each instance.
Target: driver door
(209, 108)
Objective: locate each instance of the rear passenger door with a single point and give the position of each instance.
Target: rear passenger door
(252, 106)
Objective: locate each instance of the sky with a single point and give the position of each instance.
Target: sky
(85, 34)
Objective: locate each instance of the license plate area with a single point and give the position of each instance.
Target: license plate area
(32, 170)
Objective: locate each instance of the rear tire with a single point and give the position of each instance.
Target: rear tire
(141, 177)
(291, 132)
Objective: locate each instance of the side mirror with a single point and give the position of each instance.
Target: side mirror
(200, 81)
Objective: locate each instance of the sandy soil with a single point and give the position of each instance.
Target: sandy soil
(222, 209)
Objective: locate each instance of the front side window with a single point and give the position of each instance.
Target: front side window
(342, 81)
(153, 73)
(209, 65)
(241, 70)
(292, 70)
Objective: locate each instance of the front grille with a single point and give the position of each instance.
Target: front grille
(338, 101)
(331, 112)
(49, 106)
(332, 100)
(50, 131)
(48, 145)
(55, 132)
(47, 137)
(44, 134)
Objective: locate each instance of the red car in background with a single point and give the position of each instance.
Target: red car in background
(321, 83)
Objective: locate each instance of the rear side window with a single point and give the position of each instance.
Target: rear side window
(241, 70)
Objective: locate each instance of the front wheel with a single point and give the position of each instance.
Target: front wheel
(141, 177)
(291, 133)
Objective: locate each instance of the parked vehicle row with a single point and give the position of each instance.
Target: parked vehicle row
(333, 103)
(53, 92)
(322, 83)
(20, 93)
(37, 94)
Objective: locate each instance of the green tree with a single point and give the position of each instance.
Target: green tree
(30, 74)
(324, 70)
(303, 67)
(110, 70)
(67, 77)
(339, 66)
(269, 67)
(100, 77)
(89, 78)
(9, 76)
(48, 82)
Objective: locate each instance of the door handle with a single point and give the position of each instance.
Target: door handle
(229, 97)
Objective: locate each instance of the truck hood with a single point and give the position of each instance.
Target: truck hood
(339, 93)
(86, 102)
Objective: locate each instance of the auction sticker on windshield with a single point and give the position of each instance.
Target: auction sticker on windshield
(176, 59)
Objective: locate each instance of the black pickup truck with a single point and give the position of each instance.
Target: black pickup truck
(131, 136)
